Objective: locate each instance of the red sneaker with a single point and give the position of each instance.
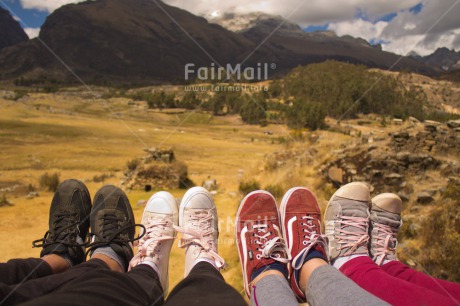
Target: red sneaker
(258, 235)
(300, 217)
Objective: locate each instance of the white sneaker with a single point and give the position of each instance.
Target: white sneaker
(199, 227)
(160, 217)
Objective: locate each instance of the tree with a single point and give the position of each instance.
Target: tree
(253, 110)
(306, 114)
(190, 101)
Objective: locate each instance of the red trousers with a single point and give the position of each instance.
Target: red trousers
(398, 284)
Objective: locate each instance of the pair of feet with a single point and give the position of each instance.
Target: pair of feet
(112, 225)
(268, 237)
(357, 225)
(282, 239)
(196, 219)
(72, 214)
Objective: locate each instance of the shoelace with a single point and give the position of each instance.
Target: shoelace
(150, 243)
(112, 231)
(201, 235)
(349, 239)
(386, 242)
(65, 225)
(310, 239)
(270, 246)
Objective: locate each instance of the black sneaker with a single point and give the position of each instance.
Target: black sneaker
(69, 220)
(112, 223)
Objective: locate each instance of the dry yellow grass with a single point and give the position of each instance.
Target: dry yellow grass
(80, 138)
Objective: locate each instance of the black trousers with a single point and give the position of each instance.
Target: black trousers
(31, 282)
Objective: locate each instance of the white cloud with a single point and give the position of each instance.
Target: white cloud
(32, 32)
(423, 46)
(46, 5)
(406, 32)
(359, 28)
(304, 12)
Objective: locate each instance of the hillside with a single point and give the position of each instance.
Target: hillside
(11, 32)
(104, 45)
(293, 46)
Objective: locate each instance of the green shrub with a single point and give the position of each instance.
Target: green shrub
(342, 91)
(49, 181)
(249, 186)
(4, 201)
(132, 164)
(101, 178)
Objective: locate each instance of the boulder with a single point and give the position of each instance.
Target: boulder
(210, 184)
(404, 197)
(453, 124)
(424, 198)
(393, 179)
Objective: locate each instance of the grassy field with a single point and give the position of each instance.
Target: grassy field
(80, 138)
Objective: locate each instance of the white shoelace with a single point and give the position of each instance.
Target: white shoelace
(201, 234)
(385, 242)
(309, 230)
(352, 239)
(269, 248)
(149, 245)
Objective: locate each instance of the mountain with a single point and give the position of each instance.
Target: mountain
(141, 41)
(11, 32)
(241, 23)
(122, 40)
(442, 58)
(293, 46)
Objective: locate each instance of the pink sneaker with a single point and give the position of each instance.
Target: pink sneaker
(258, 235)
(300, 217)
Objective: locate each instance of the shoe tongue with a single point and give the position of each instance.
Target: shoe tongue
(352, 208)
(384, 217)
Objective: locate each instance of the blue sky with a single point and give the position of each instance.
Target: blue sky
(32, 18)
(401, 26)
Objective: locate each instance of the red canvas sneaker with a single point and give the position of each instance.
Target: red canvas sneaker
(300, 217)
(258, 235)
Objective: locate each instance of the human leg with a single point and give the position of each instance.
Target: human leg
(311, 278)
(63, 243)
(347, 222)
(385, 224)
(401, 271)
(203, 283)
(327, 286)
(98, 281)
(16, 270)
(34, 288)
(395, 291)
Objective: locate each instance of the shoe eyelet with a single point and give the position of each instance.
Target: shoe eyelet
(258, 256)
(304, 242)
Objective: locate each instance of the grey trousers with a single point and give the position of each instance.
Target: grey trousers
(326, 286)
